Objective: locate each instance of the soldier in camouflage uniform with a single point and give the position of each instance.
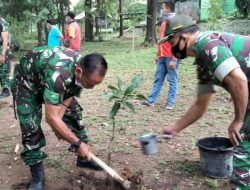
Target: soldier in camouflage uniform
(53, 76)
(222, 59)
(4, 58)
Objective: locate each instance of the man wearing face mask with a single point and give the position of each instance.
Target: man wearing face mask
(222, 59)
(167, 64)
(74, 113)
(53, 76)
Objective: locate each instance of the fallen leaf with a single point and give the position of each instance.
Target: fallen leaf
(17, 148)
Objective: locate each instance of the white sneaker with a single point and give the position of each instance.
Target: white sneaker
(169, 107)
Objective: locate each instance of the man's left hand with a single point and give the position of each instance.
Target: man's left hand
(2, 59)
(234, 132)
(172, 65)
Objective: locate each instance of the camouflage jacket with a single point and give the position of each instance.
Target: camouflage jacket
(219, 53)
(49, 73)
(4, 26)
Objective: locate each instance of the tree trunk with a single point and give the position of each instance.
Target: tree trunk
(40, 32)
(61, 17)
(97, 29)
(121, 18)
(46, 32)
(88, 22)
(111, 141)
(151, 22)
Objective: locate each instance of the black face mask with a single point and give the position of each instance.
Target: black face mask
(179, 54)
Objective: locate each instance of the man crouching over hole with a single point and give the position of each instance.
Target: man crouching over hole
(53, 76)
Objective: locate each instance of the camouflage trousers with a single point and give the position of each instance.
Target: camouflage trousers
(29, 110)
(240, 179)
(5, 71)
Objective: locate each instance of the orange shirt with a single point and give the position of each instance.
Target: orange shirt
(74, 31)
(164, 49)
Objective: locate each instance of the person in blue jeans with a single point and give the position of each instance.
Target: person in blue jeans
(167, 64)
(165, 70)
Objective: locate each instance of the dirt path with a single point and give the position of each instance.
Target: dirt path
(176, 166)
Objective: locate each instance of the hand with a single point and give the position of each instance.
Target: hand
(66, 43)
(172, 65)
(83, 151)
(156, 59)
(2, 59)
(169, 132)
(234, 132)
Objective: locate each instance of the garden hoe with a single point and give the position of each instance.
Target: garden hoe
(125, 183)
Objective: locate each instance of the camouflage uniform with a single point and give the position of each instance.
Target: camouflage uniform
(45, 74)
(217, 55)
(73, 119)
(4, 68)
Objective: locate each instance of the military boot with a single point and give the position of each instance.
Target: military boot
(38, 178)
(5, 93)
(84, 163)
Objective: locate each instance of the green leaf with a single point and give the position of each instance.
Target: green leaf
(109, 94)
(114, 110)
(113, 97)
(135, 83)
(140, 97)
(112, 87)
(130, 106)
(119, 83)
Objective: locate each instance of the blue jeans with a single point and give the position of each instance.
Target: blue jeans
(162, 71)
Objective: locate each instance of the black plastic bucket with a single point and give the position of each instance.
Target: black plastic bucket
(216, 156)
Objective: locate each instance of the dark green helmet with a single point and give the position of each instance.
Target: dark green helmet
(176, 24)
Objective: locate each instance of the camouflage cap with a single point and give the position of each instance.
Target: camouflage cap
(176, 24)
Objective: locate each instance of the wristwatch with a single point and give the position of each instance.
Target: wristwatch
(75, 146)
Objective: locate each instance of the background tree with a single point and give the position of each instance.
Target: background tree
(120, 19)
(89, 35)
(23, 15)
(215, 13)
(151, 22)
(98, 17)
(61, 6)
(29, 16)
(243, 6)
(45, 9)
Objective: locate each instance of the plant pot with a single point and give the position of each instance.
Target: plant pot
(216, 156)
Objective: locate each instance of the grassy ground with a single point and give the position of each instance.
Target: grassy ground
(175, 166)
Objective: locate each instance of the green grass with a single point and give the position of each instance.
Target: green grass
(7, 148)
(121, 56)
(179, 167)
(212, 183)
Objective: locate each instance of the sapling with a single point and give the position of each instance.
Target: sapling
(122, 100)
